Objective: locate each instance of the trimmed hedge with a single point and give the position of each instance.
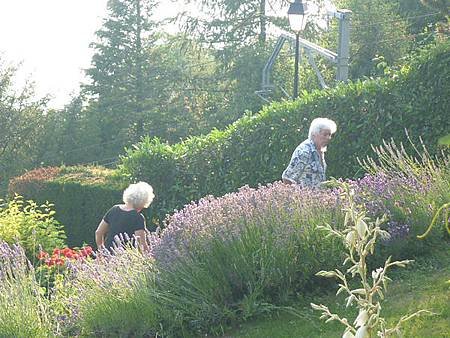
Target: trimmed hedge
(81, 196)
(256, 149)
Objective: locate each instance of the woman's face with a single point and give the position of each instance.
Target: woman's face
(322, 139)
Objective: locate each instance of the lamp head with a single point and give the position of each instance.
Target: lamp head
(297, 14)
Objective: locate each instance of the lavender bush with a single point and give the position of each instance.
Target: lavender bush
(409, 190)
(237, 254)
(24, 312)
(111, 296)
(281, 210)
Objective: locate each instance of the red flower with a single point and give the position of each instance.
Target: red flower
(69, 253)
(42, 255)
(86, 251)
(59, 261)
(59, 256)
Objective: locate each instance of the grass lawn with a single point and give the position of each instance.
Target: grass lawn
(423, 285)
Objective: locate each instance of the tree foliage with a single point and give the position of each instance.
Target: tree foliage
(233, 22)
(120, 76)
(143, 82)
(377, 31)
(21, 124)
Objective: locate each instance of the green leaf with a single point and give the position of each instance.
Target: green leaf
(445, 140)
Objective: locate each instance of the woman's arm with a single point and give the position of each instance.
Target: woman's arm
(100, 234)
(141, 236)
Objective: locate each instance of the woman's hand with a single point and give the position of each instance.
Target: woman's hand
(141, 236)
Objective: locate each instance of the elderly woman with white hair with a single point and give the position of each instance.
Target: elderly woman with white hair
(124, 222)
(307, 166)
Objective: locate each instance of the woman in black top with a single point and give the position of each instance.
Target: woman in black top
(124, 222)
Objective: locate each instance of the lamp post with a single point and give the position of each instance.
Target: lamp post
(297, 14)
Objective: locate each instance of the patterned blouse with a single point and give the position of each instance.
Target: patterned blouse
(305, 167)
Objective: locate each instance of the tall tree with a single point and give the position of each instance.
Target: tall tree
(73, 136)
(119, 77)
(234, 22)
(22, 118)
(378, 31)
(237, 30)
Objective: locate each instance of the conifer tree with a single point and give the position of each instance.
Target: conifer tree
(120, 84)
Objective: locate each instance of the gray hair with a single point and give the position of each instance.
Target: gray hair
(138, 195)
(319, 124)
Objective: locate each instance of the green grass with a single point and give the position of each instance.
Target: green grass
(424, 285)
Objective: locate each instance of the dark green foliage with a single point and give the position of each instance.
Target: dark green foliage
(81, 197)
(419, 15)
(120, 77)
(72, 136)
(378, 30)
(233, 22)
(256, 149)
(440, 5)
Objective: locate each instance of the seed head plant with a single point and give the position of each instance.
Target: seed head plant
(359, 236)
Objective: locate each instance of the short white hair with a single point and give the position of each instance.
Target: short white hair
(319, 124)
(139, 195)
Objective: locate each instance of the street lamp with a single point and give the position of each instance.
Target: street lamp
(297, 14)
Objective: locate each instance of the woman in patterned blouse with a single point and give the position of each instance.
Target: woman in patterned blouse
(307, 166)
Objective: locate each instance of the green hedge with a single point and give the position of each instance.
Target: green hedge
(81, 196)
(256, 149)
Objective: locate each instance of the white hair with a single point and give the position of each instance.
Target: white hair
(319, 124)
(138, 195)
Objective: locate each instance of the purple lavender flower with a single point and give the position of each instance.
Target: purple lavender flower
(397, 231)
(288, 208)
(13, 261)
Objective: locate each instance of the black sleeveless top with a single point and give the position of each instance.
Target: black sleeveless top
(122, 222)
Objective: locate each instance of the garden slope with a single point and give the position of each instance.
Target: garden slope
(256, 149)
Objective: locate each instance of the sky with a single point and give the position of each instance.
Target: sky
(49, 40)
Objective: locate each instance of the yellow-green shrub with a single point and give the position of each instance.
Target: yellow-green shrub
(30, 225)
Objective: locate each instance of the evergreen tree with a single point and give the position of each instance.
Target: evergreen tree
(73, 136)
(120, 83)
(237, 30)
(234, 22)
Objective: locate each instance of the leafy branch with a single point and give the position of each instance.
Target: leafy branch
(359, 236)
